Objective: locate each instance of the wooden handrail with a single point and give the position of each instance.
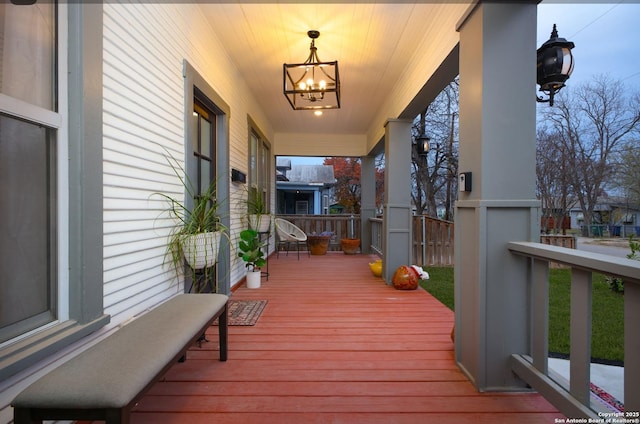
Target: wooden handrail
(533, 368)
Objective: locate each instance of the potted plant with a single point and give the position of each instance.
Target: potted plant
(196, 238)
(258, 217)
(250, 249)
(319, 243)
(350, 245)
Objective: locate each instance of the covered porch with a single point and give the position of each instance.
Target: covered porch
(334, 344)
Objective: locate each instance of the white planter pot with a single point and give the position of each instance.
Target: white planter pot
(253, 279)
(201, 250)
(260, 223)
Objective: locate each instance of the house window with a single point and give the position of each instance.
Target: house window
(259, 167)
(209, 161)
(204, 147)
(302, 207)
(29, 125)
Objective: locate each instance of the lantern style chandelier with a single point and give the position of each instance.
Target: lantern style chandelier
(555, 65)
(312, 85)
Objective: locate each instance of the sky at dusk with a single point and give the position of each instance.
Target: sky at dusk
(606, 35)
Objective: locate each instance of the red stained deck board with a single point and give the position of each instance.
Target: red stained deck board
(346, 418)
(333, 345)
(317, 388)
(348, 404)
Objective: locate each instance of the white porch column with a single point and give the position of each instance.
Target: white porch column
(396, 227)
(367, 200)
(497, 145)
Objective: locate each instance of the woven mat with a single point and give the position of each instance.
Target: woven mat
(244, 312)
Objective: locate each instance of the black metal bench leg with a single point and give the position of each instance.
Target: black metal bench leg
(23, 416)
(223, 333)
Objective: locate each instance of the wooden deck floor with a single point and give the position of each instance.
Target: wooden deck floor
(333, 345)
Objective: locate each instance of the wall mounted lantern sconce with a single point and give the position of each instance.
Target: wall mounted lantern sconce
(312, 85)
(555, 65)
(422, 144)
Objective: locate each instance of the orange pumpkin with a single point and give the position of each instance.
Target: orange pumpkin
(405, 278)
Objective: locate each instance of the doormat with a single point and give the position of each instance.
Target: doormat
(244, 312)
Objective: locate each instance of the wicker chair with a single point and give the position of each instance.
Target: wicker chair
(288, 233)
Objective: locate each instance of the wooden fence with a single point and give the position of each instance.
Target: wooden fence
(432, 241)
(558, 240)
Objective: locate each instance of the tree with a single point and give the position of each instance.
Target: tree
(347, 188)
(435, 175)
(593, 124)
(629, 172)
(552, 179)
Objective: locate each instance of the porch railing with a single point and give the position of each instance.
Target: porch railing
(432, 240)
(341, 225)
(376, 235)
(574, 400)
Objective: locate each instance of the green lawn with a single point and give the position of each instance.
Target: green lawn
(608, 313)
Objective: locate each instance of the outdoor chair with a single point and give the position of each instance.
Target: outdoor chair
(288, 233)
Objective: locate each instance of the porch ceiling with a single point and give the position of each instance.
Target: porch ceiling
(381, 50)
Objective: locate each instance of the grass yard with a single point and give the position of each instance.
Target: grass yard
(607, 342)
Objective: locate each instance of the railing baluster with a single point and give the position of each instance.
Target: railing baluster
(540, 348)
(423, 244)
(580, 336)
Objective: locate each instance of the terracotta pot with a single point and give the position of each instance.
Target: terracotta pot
(350, 246)
(318, 245)
(405, 278)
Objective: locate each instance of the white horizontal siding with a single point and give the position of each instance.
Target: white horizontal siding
(144, 47)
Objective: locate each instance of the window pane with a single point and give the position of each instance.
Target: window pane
(27, 224)
(27, 52)
(205, 138)
(253, 160)
(205, 176)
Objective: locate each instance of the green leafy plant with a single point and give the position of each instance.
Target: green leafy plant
(257, 213)
(250, 248)
(195, 217)
(617, 284)
(634, 245)
(256, 204)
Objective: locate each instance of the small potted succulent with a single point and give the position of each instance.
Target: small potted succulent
(250, 250)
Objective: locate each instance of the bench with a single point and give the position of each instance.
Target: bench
(108, 379)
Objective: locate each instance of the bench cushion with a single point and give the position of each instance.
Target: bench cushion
(113, 372)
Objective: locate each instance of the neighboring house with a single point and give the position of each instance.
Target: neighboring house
(303, 189)
(612, 214)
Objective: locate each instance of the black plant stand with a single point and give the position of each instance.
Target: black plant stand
(201, 284)
(268, 235)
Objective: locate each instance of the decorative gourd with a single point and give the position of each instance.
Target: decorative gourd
(376, 268)
(405, 278)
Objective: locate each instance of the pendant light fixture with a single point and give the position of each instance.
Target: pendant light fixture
(312, 85)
